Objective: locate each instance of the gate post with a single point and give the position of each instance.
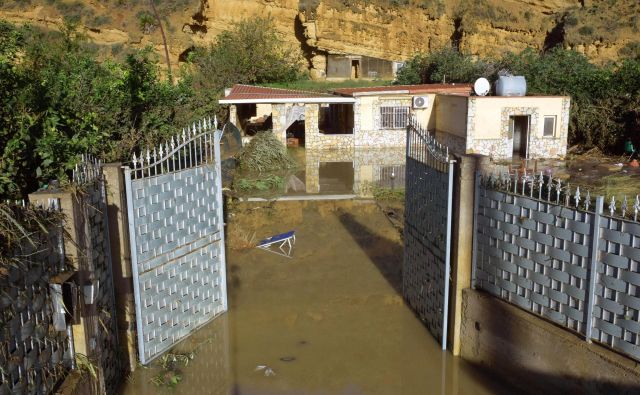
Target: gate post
(593, 268)
(462, 238)
(121, 260)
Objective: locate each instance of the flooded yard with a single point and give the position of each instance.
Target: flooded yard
(330, 320)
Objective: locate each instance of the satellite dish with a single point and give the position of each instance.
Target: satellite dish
(482, 87)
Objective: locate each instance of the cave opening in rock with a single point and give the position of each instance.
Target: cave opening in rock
(184, 55)
(456, 36)
(307, 50)
(556, 36)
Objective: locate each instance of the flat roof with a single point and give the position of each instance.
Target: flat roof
(460, 89)
(250, 94)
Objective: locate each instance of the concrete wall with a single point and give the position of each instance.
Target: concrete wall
(488, 125)
(537, 356)
(451, 115)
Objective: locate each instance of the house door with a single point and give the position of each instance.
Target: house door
(355, 69)
(519, 126)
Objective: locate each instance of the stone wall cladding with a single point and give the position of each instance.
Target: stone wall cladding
(233, 115)
(279, 119)
(501, 148)
(378, 137)
(316, 140)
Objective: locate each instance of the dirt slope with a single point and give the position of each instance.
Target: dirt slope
(391, 29)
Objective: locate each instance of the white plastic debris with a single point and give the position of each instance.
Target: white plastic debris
(268, 372)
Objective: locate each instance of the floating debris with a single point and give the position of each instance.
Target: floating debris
(268, 372)
(288, 359)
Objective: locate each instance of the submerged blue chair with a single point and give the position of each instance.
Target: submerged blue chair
(284, 242)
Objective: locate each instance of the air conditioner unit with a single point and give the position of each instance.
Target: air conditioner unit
(420, 101)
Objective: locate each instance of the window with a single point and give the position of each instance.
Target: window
(336, 119)
(549, 126)
(394, 117)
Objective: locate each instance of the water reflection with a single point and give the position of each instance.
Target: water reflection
(328, 321)
(348, 171)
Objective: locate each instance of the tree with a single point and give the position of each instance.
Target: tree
(445, 65)
(253, 52)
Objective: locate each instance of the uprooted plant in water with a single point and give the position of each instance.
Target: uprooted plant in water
(263, 166)
(265, 153)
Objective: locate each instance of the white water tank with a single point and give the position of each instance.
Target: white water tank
(511, 86)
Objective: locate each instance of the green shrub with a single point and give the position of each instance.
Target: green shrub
(447, 65)
(585, 30)
(270, 183)
(147, 22)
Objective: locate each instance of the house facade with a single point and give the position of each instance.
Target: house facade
(534, 127)
(376, 117)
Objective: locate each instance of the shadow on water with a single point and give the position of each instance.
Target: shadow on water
(386, 254)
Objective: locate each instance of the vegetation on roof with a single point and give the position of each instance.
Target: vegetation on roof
(327, 86)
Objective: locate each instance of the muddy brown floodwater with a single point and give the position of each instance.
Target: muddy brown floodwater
(331, 320)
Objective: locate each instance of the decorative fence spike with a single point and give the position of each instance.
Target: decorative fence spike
(587, 201)
(577, 197)
(184, 149)
(625, 206)
(636, 208)
(540, 185)
(612, 205)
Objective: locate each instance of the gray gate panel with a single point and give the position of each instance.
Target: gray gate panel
(177, 239)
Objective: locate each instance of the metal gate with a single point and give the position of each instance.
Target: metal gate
(176, 231)
(427, 231)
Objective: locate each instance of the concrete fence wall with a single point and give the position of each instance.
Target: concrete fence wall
(558, 254)
(556, 280)
(36, 348)
(87, 254)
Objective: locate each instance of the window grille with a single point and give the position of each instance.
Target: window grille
(394, 117)
(549, 126)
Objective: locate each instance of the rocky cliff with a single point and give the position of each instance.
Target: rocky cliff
(389, 29)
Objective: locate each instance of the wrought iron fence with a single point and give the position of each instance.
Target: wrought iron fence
(427, 230)
(560, 253)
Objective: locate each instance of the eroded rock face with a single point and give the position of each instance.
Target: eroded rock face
(376, 29)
